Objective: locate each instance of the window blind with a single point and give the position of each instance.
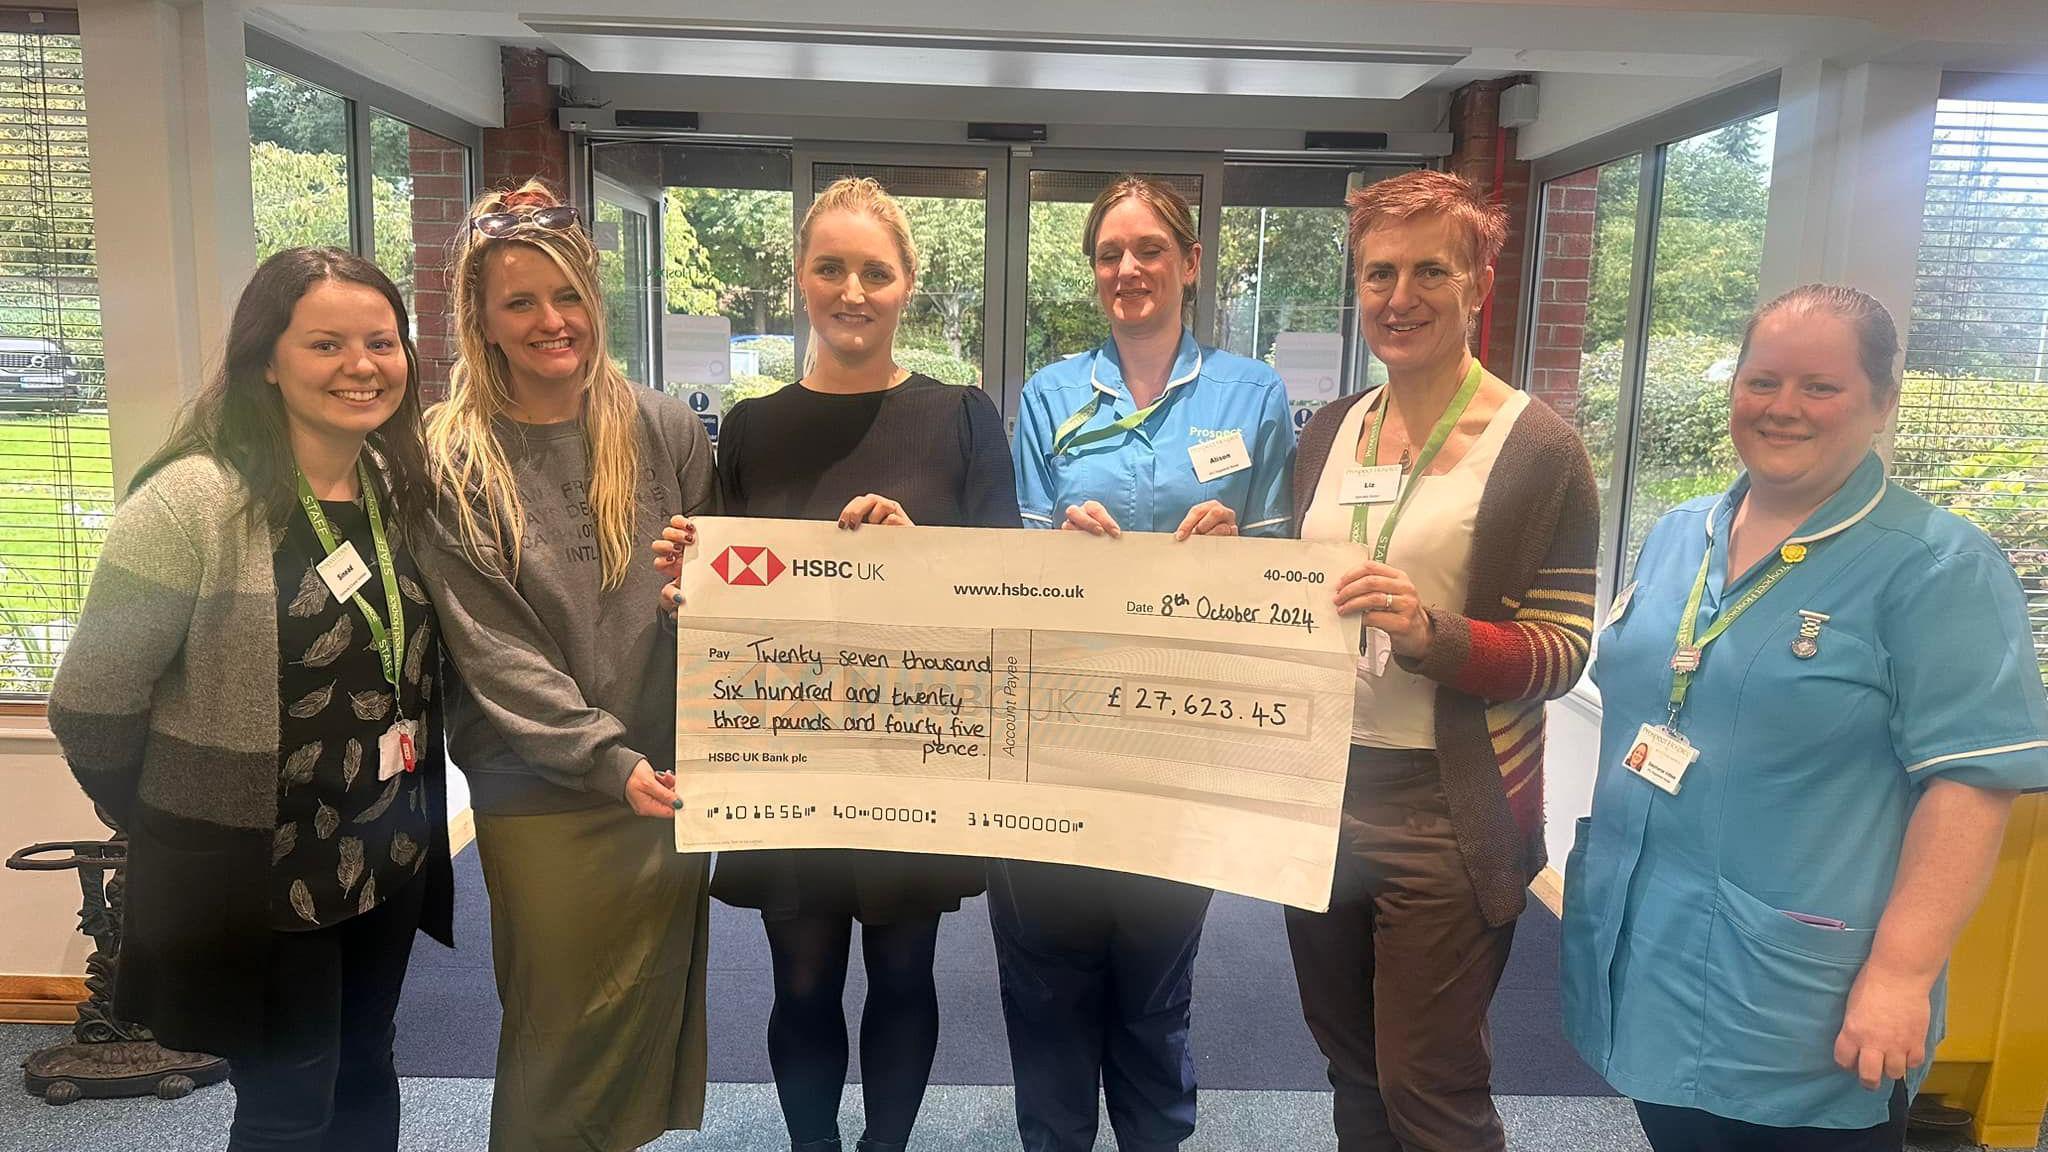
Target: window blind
(56, 473)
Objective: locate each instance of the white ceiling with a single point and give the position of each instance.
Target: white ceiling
(1068, 62)
(1291, 53)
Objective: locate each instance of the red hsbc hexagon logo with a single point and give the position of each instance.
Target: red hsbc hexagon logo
(748, 567)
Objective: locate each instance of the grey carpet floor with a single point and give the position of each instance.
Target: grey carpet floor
(453, 1115)
(1248, 1031)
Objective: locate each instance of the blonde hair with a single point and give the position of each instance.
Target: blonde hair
(1169, 205)
(465, 459)
(865, 195)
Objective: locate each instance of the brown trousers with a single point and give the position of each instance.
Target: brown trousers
(1397, 976)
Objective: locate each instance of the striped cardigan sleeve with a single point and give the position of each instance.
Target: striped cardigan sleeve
(1541, 649)
(137, 612)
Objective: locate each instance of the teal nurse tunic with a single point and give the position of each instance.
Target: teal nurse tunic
(1685, 981)
(1144, 475)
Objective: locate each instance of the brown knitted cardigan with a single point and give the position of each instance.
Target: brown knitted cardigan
(1522, 639)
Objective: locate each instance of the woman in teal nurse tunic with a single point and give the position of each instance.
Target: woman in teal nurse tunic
(1835, 687)
(1153, 433)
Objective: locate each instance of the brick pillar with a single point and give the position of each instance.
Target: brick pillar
(1475, 118)
(440, 188)
(530, 144)
(1564, 276)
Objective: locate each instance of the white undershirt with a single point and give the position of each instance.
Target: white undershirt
(1432, 544)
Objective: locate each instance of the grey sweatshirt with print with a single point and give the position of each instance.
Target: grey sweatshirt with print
(560, 686)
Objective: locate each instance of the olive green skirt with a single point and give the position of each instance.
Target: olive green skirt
(599, 934)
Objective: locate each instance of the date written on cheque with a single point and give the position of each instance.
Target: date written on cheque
(1205, 608)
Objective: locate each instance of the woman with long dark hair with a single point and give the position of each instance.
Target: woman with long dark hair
(249, 695)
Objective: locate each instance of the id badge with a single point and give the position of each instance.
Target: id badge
(1660, 756)
(398, 750)
(1619, 608)
(344, 571)
(1379, 649)
(1215, 459)
(1373, 484)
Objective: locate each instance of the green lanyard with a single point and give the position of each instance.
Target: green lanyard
(1685, 660)
(1065, 438)
(1437, 436)
(391, 643)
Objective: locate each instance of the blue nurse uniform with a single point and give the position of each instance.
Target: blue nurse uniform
(1686, 981)
(1097, 967)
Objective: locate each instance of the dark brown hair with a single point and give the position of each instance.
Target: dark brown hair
(239, 419)
(1166, 203)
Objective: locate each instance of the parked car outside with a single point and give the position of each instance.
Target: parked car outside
(38, 374)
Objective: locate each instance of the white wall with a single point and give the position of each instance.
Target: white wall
(41, 803)
(1574, 107)
(460, 75)
(1570, 760)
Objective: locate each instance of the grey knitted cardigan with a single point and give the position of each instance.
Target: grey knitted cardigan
(166, 706)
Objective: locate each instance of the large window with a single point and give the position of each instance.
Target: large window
(1647, 273)
(56, 475)
(1703, 286)
(298, 163)
(1582, 305)
(337, 161)
(1973, 415)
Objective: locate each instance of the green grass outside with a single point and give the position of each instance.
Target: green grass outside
(52, 519)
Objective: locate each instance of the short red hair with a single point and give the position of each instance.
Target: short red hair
(1425, 193)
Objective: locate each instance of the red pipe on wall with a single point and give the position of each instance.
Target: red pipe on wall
(1500, 163)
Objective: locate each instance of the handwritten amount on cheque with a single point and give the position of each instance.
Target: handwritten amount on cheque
(953, 718)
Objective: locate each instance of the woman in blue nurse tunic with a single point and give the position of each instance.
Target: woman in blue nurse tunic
(1833, 688)
(1153, 433)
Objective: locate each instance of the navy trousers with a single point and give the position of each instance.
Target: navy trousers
(1097, 972)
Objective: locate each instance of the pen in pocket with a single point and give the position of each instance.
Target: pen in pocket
(1818, 921)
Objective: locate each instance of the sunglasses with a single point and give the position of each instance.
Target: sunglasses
(558, 218)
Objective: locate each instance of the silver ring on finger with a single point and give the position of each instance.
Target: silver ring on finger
(1386, 601)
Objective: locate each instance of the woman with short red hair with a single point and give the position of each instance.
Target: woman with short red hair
(1478, 512)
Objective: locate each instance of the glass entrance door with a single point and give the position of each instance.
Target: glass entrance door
(953, 200)
(628, 274)
(693, 232)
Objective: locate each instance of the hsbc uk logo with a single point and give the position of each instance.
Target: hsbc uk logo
(755, 567)
(748, 567)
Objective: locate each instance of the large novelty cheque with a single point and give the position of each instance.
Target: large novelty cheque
(1179, 709)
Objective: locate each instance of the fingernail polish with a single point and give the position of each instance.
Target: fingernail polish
(679, 805)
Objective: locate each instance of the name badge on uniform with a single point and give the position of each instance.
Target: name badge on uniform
(1371, 484)
(1220, 457)
(1660, 756)
(344, 571)
(1619, 608)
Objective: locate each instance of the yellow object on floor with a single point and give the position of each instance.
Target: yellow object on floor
(1995, 1060)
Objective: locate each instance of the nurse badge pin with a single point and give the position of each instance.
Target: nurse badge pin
(1807, 645)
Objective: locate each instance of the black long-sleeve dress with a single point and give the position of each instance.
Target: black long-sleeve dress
(939, 451)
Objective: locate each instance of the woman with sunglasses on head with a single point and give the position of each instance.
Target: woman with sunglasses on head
(248, 695)
(861, 441)
(551, 467)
